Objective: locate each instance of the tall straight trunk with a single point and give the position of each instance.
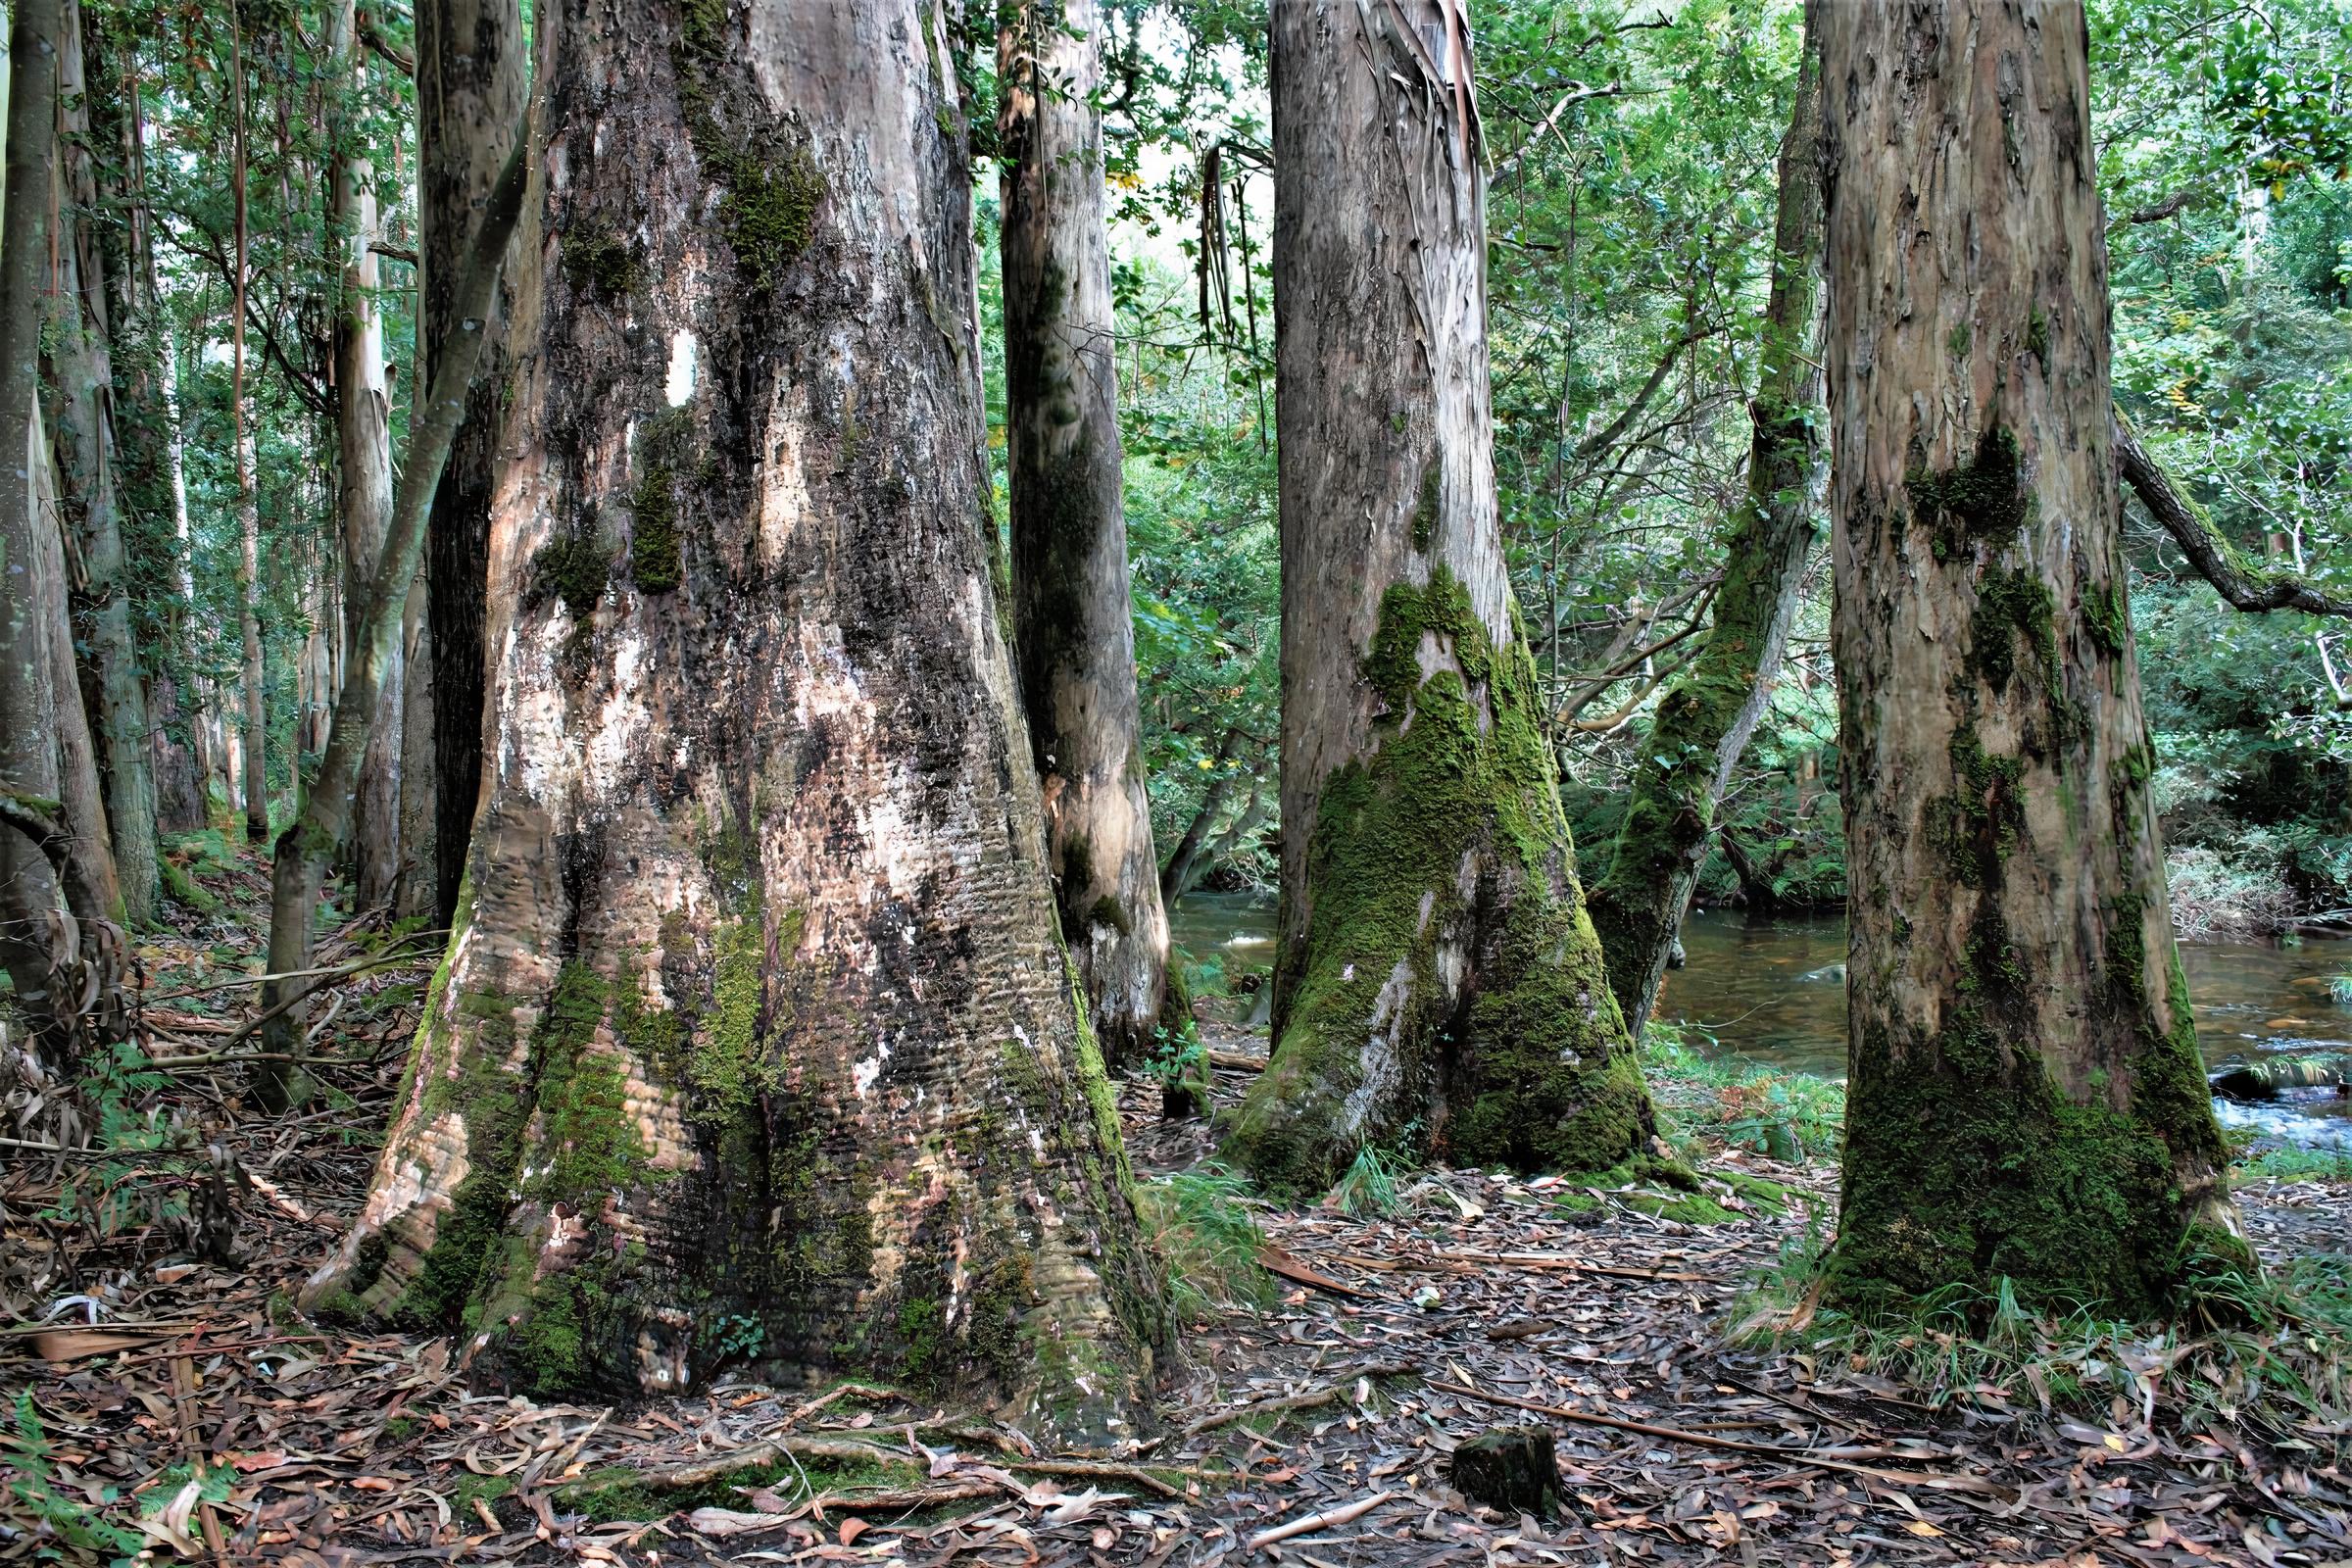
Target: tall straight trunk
(413, 892)
(1438, 982)
(469, 91)
(756, 1045)
(255, 728)
(2025, 1099)
(362, 450)
(56, 891)
(81, 359)
(1073, 625)
(1708, 712)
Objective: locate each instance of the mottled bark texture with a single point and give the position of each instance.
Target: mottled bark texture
(470, 93)
(81, 362)
(1709, 713)
(1073, 626)
(1437, 984)
(362, 451)
(2025, 1099)
(756, 1045)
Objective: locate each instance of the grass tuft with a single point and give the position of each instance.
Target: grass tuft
(1201, 1222)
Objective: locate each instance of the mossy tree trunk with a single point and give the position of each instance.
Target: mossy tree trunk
(1437, 984)
(88, 463)
(756, 1045)
(1709, 713)
(1073, 625)
(362, 450)
(470, 94)
(2025, 1096)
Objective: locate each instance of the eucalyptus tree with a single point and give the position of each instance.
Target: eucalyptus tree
(1437, 980)
(1073, 625)
(2025, 1099)
(756, 1044)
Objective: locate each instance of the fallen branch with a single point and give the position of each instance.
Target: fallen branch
(1703, 1440)
(2219, 562)
(1305, 1399)
(1237, 1062)
(1274, 1260)
(767, 1450)
(1345, 1513)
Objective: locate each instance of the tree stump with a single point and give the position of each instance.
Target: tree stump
(1511, 1468)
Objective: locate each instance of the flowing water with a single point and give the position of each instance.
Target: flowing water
(1773, 992)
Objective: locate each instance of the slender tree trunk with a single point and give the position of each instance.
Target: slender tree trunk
(469, 91)
(1074, 626)
(83, 360)
(412, 894)
(1706, 719)
(756, 1044)
(256, 784)
(364, 452)
(1177, 877)
(2025, 1099)
(1437, 980)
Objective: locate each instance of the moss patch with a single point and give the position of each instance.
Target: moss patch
(771, 187)
(1980, 500)
(1530, 1065)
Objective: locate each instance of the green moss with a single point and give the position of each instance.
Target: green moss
(2038, 335)
(771, 187)
(1527, 1067)
(1966, 1162)
(2013, 607)
(1980, 500)
(664, 456)
(1425, 513)
(184, 890)
(469, 1489)
(596, 260)
(1650, 1186)
(723, 1062)
(2106, 612)
(1973, 829)
(618, 1493)
(1959, 341)
(573, 569)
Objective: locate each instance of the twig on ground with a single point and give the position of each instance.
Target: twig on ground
(1346, 1513)
(1305, 1399)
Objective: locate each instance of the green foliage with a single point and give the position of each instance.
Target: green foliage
(1787, 1115)
(1199, 1223)
(54, 1525)
(1368, 1189)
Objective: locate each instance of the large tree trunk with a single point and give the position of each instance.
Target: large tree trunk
(2025, 1099)
(1436, 979)
(1706, 719)
(364, 452)
(469, 91)
(1073, 625)
(57, 895)
(756, 1044)
(82, 358)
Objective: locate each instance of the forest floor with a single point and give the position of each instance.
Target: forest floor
(165, 1402)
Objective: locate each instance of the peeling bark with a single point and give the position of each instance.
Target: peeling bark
(2025, 1101)
(1073, 620)
(1706, 719)
(756, 1044)
(1437, 984)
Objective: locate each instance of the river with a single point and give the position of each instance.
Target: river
(1773, 992)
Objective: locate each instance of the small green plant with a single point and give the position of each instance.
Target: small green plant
(735, 1337)
(1790, 1116)
(57, 1527)
(1369, 1186)
(2339, 990)
(1199, 1222)
(2294, 1165)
